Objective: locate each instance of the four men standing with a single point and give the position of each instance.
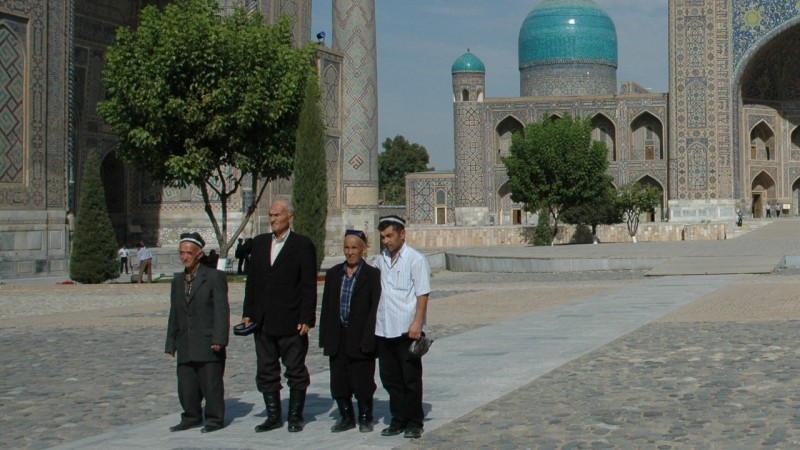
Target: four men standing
(366, 311)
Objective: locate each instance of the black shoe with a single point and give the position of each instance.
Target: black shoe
(297, 400)
(365, 427)
(271, 423)
(393, 430)
(210, 429)
(184, 426)
(274, 417)
(413, 433)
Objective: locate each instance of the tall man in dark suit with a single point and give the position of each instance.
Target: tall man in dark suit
(281, 297)
(199, 319)
(347, 332)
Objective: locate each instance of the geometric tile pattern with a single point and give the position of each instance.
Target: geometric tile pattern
(470, 156)
(698, 164)
(12, 84)
(354, 36)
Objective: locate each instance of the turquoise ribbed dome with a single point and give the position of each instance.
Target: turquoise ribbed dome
(468, 63)
(567, 31)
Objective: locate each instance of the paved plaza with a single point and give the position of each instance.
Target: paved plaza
(568, 360)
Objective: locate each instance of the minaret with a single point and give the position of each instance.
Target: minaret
(354, 38)
(469, 76)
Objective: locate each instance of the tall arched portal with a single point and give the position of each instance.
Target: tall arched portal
(768, 160)
(763, 192)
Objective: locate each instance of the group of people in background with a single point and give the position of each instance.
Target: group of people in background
(369, 311)
(144, 258)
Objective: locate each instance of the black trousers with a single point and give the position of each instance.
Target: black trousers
(401, 376)
(351, 376)
(199, 380)
(123, 264)
(271, 350)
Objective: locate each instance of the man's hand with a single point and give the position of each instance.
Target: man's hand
(216, 348)
(302, 329)
(172, 354)
(246, 321)
(415, 330)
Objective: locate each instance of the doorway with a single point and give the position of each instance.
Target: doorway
(757, 206)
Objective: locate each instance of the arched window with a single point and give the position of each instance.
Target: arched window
(603, 130)
(441, 207)
(465, 95)
(647, 141)
(762, 143)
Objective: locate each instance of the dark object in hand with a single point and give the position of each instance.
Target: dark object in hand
(241, 330)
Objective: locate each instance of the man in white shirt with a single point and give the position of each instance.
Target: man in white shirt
(145, 260)
(123, 260)
(405, 286)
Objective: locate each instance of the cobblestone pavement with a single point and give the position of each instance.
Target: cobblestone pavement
(81, 360)
(720, 373)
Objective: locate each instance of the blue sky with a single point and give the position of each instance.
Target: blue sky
(418, 40)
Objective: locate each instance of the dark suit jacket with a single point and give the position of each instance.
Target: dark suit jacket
(204, 320)
(280, 296)
(363, 309)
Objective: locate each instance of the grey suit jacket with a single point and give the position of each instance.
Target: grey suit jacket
(202, 321)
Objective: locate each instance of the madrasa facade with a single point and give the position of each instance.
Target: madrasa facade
(51, 61)
(726, 137)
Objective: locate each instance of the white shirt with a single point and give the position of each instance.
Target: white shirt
(123, 253)
(144, 254)
(277, 246)
(401, 283)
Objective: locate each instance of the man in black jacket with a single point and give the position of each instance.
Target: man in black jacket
(281, 297)
(347, 332)
(199, 319)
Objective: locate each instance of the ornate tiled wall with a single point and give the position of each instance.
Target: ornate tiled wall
(421, 191)
(34, 237)
(470, 157)
(621, 110)
(568, 81)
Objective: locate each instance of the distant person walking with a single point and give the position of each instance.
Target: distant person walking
(777, 209)
(145, 260)
(239, 254)
(123, 260)
(769, 214)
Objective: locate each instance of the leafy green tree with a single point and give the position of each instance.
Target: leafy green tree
(94, 246)
(200, 99)
(544, 232)
(636, 199)
(399, 158)
(554, 164)
(309, 188)
(604, 210)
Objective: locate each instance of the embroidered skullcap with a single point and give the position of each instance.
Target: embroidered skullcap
(392, 219)
(357, 233)
(194, 238)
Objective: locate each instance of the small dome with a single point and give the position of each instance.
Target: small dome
(468, 63)
(567, 31)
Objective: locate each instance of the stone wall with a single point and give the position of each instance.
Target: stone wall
(466, 237)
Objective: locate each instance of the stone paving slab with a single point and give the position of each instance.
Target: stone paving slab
(462, 372)
(717, 265)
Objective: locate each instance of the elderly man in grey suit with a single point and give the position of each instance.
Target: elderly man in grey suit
(199, 320)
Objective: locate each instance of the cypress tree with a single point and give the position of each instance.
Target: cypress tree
(309, 187)
(94, 247)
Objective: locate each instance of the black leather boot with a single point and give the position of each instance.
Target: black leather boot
(297, 400)
(347, 417)
(365, 416)
(274, 418)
